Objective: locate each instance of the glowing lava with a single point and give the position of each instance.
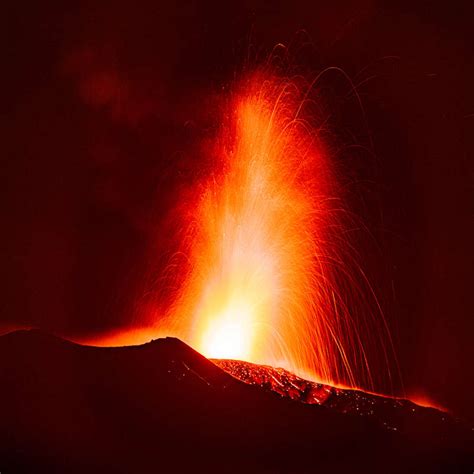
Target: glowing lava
(228, 335)
(269, 277)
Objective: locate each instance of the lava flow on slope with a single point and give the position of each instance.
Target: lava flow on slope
(390, 413)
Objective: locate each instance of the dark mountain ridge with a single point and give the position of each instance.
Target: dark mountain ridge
(163, 407)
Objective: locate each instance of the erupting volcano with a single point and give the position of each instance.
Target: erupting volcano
(269, 274)
(236, 238)
(266, 275)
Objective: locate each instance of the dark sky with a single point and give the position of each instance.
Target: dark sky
(105, 102)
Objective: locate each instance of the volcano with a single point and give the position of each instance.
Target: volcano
(163, 407)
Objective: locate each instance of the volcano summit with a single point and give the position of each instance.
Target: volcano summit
(162, 407)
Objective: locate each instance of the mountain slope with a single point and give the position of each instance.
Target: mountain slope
(162, 407)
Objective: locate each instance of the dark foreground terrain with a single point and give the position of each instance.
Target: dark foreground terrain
(162, 407)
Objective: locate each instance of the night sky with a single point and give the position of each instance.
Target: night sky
(105, 108)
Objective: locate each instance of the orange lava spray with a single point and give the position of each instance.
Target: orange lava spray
(269, 276)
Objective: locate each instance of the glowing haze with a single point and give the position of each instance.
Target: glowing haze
(269, 278)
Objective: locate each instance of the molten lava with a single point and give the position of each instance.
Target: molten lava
(269, 277)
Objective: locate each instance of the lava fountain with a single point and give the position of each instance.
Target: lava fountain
(269, 274)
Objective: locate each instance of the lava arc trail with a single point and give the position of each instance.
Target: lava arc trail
(271, 274)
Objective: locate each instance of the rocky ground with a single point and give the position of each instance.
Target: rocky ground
(162, 407)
